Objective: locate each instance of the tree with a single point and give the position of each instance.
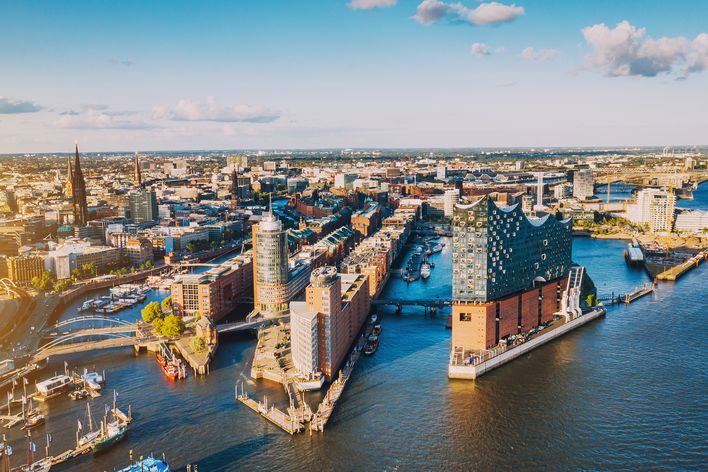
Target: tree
(591, 299)
(151, 312)
(62, 285)
(197, 344)
(45, 282)
(172, 326)
(189, 247)
(157, 325)
(167, 304)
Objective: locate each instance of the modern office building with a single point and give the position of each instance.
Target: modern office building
(506, 272)
(21, 269)
(216, 292)
(324, 326)
(583, 184)
(450, 199)
(655, 208)
(75, 254)
(143, 206)
(270, 266)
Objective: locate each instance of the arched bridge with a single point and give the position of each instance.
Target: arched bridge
(113, 333)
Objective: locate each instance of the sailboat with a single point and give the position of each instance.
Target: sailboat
(113, 431)
(89, 437)
(5, 453)
(42, 465)
(32, 416)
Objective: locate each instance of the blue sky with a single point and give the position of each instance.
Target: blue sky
(135, 75)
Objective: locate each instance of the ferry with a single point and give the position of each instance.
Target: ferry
(425, 270)
(372, 344)
(149, 464)
(54, 386)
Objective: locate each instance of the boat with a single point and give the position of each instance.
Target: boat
(310, 383)
(79, 394)
(171, 369)
(374, 317)
(377, 330)
(113, 432)
(8, 365)
(54, 386)
(372, 344)
(93, 377)
(88, 305)
(425, 270)
(92, 435)
(149, 464)
(42, 465)
(32, 417)
(437, 248)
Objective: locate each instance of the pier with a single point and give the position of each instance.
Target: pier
(638, 293)
(287, 423)
(675, 272)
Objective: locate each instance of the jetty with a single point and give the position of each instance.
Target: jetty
(677, 271)
(288, 423)
(638, 293)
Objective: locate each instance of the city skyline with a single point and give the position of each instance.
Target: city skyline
(351, 74)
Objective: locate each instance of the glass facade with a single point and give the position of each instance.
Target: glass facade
(499, 251)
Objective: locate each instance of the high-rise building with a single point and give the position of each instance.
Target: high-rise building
(270, 267)
(506, 272)
(137, 175)
(324, 326)
(78, 193)
(654, 208)
(583, 184)
(441, 173)
(539, 192)
(143, 206)
(234, 188)
(451, 197)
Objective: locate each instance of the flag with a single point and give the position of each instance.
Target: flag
(33, 446)
(79, 421)
(25, 381)
(49, 438)
(8, 450)
(10, 396)
(14, 382)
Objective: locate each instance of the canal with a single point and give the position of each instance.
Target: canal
(624, 392)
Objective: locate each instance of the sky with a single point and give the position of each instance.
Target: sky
(279, 74)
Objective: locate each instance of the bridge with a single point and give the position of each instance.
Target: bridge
(430, 304)
(114, 333)
(247, 325)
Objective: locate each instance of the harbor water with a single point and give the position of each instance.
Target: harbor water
(624, 392)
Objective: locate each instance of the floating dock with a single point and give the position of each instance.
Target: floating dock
(638, 293)
(286, 422)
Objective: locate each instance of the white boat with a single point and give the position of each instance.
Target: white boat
(53, 386)
(425, 270)
(42, 465)
(311, 383)
(374, 317)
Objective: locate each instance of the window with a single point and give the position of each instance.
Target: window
(465, 317)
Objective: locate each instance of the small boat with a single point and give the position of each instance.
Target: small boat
(372, 344)
(425, 270)
(377, 330)
(149, 464)
(374, 317)
(310, 383)
(42, 465)
(33, 417)
(79, 394)
(92, 380)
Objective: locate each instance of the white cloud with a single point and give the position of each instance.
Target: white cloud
(431, 11)
(97, 119)
(187, 110)
(538, 55)
(369, 4)
(8, 106)
(625, 51)
(480, 49)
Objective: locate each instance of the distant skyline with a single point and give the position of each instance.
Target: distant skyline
(277, 74)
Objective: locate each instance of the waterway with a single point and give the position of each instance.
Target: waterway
(624, 392)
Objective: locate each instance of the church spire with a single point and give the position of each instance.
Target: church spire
(137, 176)
(78, 193)
(69, 187)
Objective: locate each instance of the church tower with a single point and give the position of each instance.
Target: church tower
(78, 192)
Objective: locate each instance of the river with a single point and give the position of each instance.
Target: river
(624, 392)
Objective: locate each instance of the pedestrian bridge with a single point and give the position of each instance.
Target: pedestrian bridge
(425, 302)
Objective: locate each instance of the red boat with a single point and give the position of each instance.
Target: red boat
(170, 369)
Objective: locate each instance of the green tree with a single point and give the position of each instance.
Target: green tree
(197, 344)
(172, 326)
(157, 325)
(591, 299)
(45, 282)
(189, 247)
(88, 270)
(151, 312)
(167, 304)
(62, 285)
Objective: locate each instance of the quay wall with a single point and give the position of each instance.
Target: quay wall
(472, 372)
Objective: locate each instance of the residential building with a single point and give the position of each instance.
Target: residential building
(270, 267)
(324, 327)
(655, 208)
(451, 197)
